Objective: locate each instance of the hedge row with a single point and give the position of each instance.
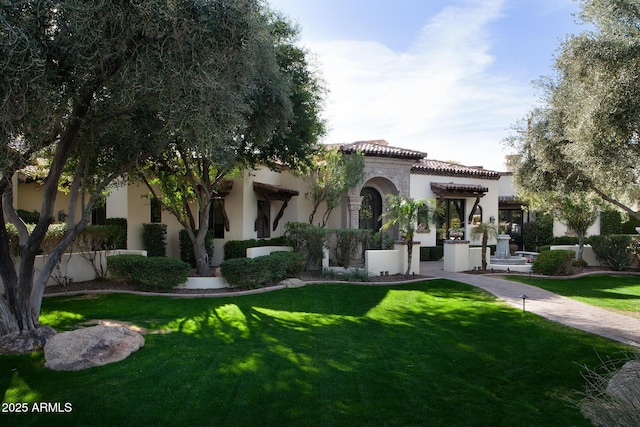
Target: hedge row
(238, 248)
(431, 253)
(263, 270)
(160, 273)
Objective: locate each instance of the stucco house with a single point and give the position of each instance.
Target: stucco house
(259, 204)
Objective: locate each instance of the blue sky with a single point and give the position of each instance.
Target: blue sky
(447, 77)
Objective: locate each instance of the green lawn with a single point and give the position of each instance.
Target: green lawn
(608, 291)
(436, 353)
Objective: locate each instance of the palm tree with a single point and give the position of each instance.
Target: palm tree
(407, 213)
(486, 231)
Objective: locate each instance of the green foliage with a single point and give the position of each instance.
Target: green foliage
(348, 241)
(29, 217)
(538, 233)
(263, 270)
(379, 240)
(332, 175)
(238, 248)
(101, 237)
(431, 253)
(407, 213)
(584, 137)
(614, 251)
(610, 222)
(154, 239)
(120, 239)
(564, 240)
(629, 224)
(554, 263)
(51, 239)
(308, 240)
(186, 246)
(160, 273)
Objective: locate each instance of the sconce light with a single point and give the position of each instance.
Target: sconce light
(492, 219)
(62, 216)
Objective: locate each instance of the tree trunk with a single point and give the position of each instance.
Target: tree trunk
(409, 255)
(580, 245)
(200, 252)
(485, 238)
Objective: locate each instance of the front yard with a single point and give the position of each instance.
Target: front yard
(435, 353)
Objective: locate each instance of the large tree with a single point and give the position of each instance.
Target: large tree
(332, 175)
(270, 116)
(93, 88)
(585, 135)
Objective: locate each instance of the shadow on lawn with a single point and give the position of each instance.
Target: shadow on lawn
(435, 352)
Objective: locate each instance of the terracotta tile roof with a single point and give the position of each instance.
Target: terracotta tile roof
(440, 168)
(458, 188)
(381, 148)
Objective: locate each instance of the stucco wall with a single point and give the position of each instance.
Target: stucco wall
(421, 189)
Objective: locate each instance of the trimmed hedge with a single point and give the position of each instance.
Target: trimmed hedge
(161, 273)
(554, 263)
(186, 246)
(238, 248)
(154, 239)
(431, 253)
(120, 240)
(260, 271)
(614, 251)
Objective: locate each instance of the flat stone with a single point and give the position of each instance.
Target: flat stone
(88, 347)
(292, 283)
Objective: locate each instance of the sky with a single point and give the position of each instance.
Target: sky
(446, 77)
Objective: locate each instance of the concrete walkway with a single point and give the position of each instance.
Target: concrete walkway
(554, 307)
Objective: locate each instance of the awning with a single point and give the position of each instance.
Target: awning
(442, 189)
(273, 192)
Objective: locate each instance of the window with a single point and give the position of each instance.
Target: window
(449, 215)
(264, 219)
(370, 210)
(477, 216)
(216, 218)
(156, 210)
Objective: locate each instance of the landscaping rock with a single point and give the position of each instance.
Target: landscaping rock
(292, 283)
(625, 384)
(89, 347)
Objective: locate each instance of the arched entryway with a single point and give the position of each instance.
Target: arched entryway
(371, 209)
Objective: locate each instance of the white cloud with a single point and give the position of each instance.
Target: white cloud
(440, 96)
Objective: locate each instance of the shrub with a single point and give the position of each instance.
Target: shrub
(238, 248)
(347, 244)
(610, 222)
(308, 240)
(157, 273)
(28, 217)
(564, 240)
(118, 240)
(186, 246)
(614, 251)
(154, 239)
(260, 271)
(431, 253)
(554, 263)
(544, 248)
(538, 233)
(379, 240)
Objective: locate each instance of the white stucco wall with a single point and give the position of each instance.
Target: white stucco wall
(421, 189)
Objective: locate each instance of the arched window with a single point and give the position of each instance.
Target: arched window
(371, 209)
